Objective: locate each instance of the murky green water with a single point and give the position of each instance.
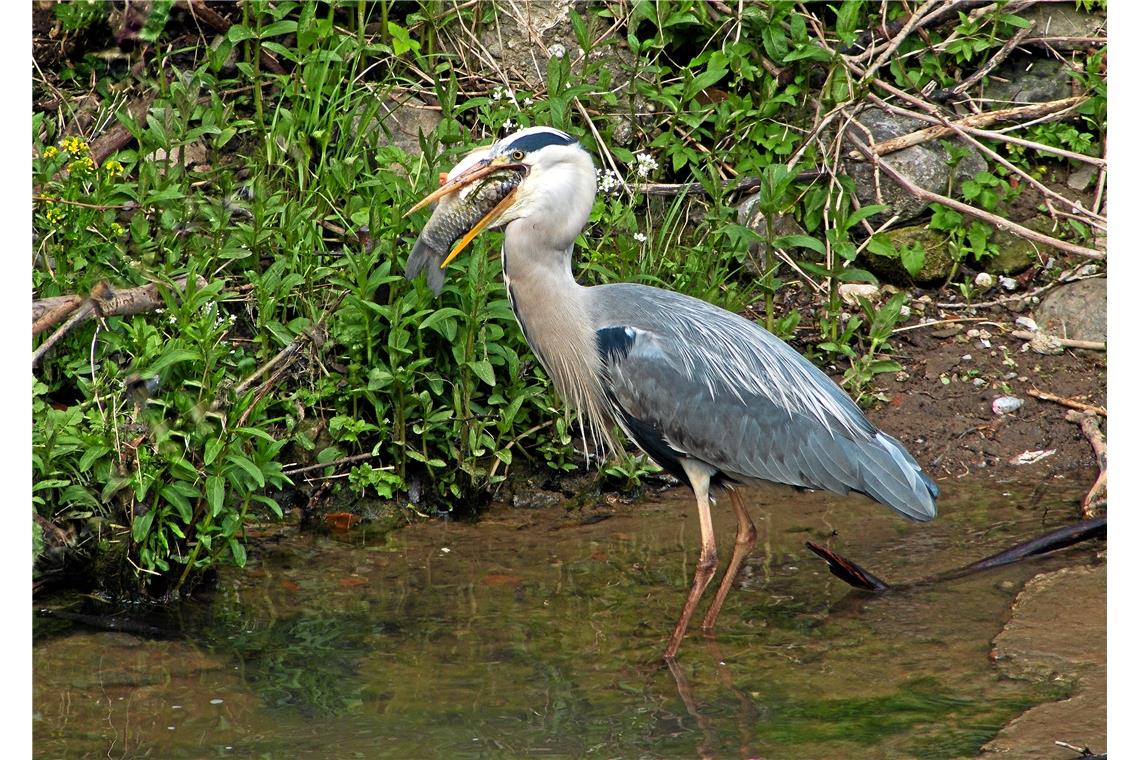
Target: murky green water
(539, 634)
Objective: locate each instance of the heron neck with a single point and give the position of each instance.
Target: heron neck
(555, 316)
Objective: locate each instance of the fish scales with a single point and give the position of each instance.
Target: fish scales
(454, 216)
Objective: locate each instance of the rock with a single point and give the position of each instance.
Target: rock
(524, 37)
(1081, 177)
(1060, 20)
(1076, 310)
(1014, 255)
(1052, 636)
(194, 156)
(1025, 79)
(535, 499)
(400, 122)
(851, 292)
(927, 165)
(935, 269)
(752, 217)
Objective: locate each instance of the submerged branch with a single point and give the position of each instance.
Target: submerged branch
(859, 577)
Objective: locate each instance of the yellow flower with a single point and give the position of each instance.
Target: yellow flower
(113, 168)
(81, 165)
(74, 145)
(50, 152)
(53, 213)
(116, 229)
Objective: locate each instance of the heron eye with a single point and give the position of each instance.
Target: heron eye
(518, 155)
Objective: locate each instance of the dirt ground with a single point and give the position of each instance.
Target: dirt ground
(943, 410)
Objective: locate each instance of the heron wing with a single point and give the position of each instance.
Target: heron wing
(688, 379)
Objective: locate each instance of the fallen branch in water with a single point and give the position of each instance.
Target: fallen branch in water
(1098, 494)
(854, 575)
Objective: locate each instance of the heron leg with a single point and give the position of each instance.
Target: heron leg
(745, 541)
(699, 476)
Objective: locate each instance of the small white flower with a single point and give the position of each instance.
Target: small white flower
(557, 50)
(639, 237)
(608, 180)
(508, 124)
(528, 102)
(503, 93)
(646, 164)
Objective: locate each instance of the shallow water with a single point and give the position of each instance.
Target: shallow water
(539, 634)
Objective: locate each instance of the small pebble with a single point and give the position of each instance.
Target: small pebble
(1007, 404)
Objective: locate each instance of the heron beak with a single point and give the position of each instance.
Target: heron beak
(448, 186)
(476, 172)
(507, 201)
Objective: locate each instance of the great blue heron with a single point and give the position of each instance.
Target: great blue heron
(711, 397)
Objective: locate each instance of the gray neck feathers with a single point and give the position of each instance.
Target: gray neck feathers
(554, 313)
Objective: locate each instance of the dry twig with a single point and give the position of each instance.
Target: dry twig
(1033, 111)
(1088, 345)
(1079, 406)
(964, 208)
(1098, 494)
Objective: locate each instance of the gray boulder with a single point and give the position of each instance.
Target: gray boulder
(927, 165)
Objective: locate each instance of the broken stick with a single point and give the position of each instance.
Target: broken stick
(103, 301)
(1090, 426)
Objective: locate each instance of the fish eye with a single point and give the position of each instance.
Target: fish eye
(518, 155)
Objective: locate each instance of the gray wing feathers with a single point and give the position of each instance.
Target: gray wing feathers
(723, 390)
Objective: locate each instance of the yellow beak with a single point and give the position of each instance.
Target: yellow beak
(476, 172)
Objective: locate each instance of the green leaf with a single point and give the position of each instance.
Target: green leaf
(483, 370)
(271, 503)
(1017, 21)
(277, 28)
(256, 433)
(913, 258)
(171, 357)
(248, 466)
(215, 493)
(213, 448)
(140, 527)
(238, 32)
(705, 80)
(800, 241)
(238, 551)
(855, 274)
(446, 316)
(179, 501)
(866, 211)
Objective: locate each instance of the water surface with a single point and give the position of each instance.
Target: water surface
(539, 633)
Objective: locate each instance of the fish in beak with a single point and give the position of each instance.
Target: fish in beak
(469, 199)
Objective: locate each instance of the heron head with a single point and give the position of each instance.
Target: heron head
(556, 190)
